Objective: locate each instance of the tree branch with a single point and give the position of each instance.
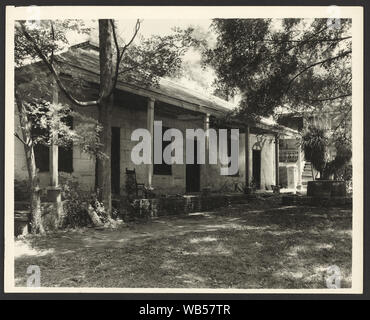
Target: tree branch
(300, 42)
(51, 67)
(331, 98)
(136, 30)
(148, 58)
(343, 119)
(343, 54)
(53, 36)
(119, 54)
(309, 38)
(20, 139)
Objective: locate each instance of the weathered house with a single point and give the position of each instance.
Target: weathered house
(138, 107)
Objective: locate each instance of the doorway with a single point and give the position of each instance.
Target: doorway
(193, 172)
(257, 168)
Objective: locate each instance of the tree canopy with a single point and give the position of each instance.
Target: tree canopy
(141, 60)
(283, 64)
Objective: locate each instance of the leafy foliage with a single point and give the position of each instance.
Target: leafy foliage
(76, 201)
(50, 35)
(143, 62)
(158, 56)
(294, 64)
(49, 124)
(316, 143)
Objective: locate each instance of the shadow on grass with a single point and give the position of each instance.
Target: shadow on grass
(289, 247)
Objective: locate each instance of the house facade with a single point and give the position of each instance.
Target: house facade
(138, 107)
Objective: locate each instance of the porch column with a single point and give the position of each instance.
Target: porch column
(206, 130)
(277, 160)
(247, 178)
(150, 127)
(299, 183)
(54, 150)
(54, 190)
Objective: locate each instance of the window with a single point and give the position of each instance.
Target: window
(65, 154)
(164, 168)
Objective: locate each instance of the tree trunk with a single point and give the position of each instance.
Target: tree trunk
(35, 199)
(105, 113)
(104, 164)
(36, 220)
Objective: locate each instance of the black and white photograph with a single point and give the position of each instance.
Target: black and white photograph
(192, 149)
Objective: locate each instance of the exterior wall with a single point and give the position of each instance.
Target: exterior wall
(175, 183)
(129, 119)
(268, 175)
(218, 182)
(211, 175)
(288, 174)
(289, 167)
(83, 163)
(20, 165)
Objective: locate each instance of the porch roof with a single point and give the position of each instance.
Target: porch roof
(85, 58)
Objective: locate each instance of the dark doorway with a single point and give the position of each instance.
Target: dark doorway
(257, 168)
(193, 173)
(115, 160)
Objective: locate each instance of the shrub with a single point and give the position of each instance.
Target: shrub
(315, 147)
(345, 174)
(316, 144)
(75, 202)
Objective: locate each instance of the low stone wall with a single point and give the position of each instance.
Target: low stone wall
(326, 188)
(167, 206)
(316, 201)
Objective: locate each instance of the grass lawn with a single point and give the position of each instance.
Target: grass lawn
(249, 246)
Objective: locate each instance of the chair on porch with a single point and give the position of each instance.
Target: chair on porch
(132, 186)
